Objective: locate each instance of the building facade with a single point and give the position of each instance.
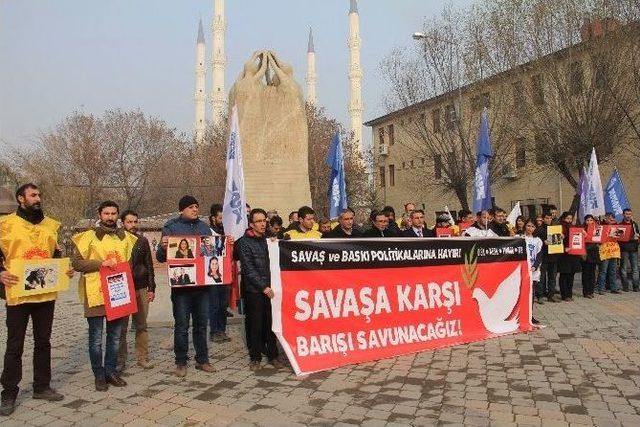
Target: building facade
(417, 148)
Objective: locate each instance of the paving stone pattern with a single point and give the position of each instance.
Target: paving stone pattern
(582, 369)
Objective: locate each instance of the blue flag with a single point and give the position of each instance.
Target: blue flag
(482, 185)
(615, 197)
(337, 188)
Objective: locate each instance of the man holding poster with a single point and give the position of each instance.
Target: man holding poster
(189, 302)
(104, 246)
(27, 234)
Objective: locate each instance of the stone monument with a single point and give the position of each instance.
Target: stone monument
(273, 133)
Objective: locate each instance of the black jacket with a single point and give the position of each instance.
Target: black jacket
(374, 232)
(142, 265)
(253, 255)
(338, 233)
(501, 230)
(410, 233)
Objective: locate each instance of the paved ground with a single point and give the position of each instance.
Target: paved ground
(583, 369)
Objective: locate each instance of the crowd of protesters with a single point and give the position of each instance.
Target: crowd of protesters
(203, 309)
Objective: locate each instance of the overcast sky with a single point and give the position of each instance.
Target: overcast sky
(92, 55)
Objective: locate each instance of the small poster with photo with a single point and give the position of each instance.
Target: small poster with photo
(183, 247)
(183, 274)
(39, 276)
(118, 291)
(207, 262)
(555, 244)
(619, 232)
(595, 233)
(577, 241)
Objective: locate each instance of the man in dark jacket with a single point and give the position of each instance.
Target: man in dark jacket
(345, 228)
(499, 223)
(145, 284)
(629, 253)
(380, 227)
(417, 228)
(392, 228)
(251, 250)
(188, 302)
(549, 265)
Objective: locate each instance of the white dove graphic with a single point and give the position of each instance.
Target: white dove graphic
(495, 310)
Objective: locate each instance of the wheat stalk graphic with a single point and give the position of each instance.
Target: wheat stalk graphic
(470, 267)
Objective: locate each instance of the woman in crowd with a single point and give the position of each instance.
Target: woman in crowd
(568, 265)
(519, 226)
(534, 246)
(589, 262)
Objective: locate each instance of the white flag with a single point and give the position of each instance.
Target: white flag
(451, 221)
(234, 214)
(594, 203)
(515, 213)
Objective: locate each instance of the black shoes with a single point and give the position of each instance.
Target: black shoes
(615, 291)
(115, 380)
(219, 337)
(101, 384)
(7, 407)
(49, 394)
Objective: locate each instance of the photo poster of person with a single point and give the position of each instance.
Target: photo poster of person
(39, 276)
(208, 261)
(577, 241)
(554, 239)
(118, 291)
(619, 232)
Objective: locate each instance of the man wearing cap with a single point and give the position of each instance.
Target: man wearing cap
(188, 302)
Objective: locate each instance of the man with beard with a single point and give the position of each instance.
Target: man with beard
(145, 285)
(380, 226)
(218, 295)
(106, 245)
(345, 228)
(27, 234)
(481, 228)
(499, 223)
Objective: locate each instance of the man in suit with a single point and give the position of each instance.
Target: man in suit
(417, 228)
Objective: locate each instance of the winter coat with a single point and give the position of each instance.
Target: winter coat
(253, 254)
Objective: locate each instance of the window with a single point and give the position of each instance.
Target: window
(575, 78)
(381, 135)
(392, 175)
(518, 94)
(435, 118)
(450, 117)
(411, 164)
(382, 177)
(540, 150)
(537, 87)
(521, 152)
(392, 138)
(437, 166)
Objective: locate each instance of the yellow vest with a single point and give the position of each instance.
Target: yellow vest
(20, 239)
(92, 248)
(298, 235)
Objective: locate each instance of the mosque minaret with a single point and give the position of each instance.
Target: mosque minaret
(355, 74)
(219, 61)
(200, 95)
(312, 98)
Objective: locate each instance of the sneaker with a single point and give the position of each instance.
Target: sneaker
(101, 384)
(636, 289)
(535, 321)
(254, 365)
(49, 394)
(276, 363)
(206, 367)
(145, 364)
(115, 380)
(7, 407)
(181, 371)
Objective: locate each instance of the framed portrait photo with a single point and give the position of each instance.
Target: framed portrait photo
(39, 276)
(183, 248)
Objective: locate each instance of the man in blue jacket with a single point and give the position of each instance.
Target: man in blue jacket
(188, 301)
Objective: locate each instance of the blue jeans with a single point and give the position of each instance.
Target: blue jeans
(114, 329)
(218, 303)
(632, 259)
(608, 273)
(194, 304)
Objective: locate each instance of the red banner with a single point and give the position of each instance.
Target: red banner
(339, 302)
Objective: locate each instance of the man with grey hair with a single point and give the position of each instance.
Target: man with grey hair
(345, 228)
